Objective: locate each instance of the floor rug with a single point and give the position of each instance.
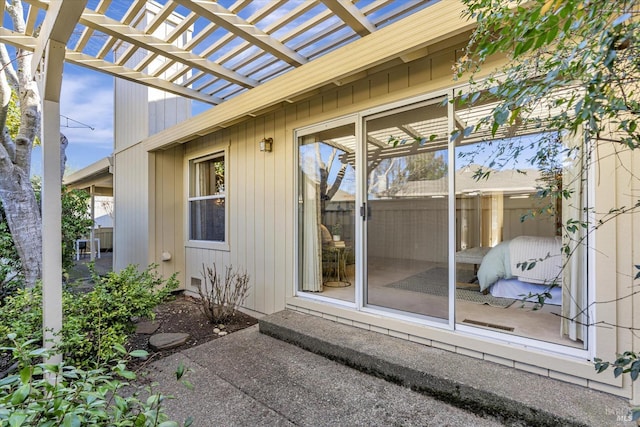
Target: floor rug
(434, 282)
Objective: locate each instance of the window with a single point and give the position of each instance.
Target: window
(207, 198)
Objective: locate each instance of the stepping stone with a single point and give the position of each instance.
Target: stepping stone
(147, 328)
(159, 342)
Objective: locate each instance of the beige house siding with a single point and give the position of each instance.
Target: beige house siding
(131, 208)
(131, 118)
(261, 195)
(616, 252)
(262, 198)
(168, 212)
(140, 112)
(261, 189)
(143, 111)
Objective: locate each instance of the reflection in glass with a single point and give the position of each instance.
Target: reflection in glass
(327, 212)
(510, 236)
(407, 224)
(207, 198)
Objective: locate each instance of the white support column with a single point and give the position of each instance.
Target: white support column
(92, 245)
(51, 201)
(54, 33)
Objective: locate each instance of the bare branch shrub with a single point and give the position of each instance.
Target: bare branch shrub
(220, 296)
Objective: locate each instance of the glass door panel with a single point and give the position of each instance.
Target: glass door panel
(326, 212)
(407, 211)
(510, 236)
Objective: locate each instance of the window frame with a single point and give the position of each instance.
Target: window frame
(201, 156)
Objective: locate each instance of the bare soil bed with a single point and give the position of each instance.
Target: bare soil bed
(183, 314)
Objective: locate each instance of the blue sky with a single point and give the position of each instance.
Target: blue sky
(87, 101)
(86, 97)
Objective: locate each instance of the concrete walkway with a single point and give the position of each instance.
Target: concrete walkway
(81, 272)
(250, 378)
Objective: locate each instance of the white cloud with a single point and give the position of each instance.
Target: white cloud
(87, 98)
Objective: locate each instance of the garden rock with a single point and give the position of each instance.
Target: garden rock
(166, 341)
(147, 328)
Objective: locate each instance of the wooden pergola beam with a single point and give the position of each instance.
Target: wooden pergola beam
(233, 23)
(136, 37)
(351, 15)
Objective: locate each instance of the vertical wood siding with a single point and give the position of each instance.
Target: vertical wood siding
(168, 212)
(131, 209)
(142, 179)
(261, 197)
(261, 193)
(131, 118)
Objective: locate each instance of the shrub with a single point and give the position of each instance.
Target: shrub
(94, 322)
(53, 395)
(220, 297)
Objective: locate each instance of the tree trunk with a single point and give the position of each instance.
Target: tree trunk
(23, 217)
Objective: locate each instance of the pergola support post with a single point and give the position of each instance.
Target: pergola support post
(51, 47)
(51, 198)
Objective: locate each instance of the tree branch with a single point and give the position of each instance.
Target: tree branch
(64, 142)
(336, 184)
(5, 61)
(29, 97)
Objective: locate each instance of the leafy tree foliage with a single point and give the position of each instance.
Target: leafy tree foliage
(574, 60)
(425, 166)
(11, 278)
(581, 54)
(76, 220)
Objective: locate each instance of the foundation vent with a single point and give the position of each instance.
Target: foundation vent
(488, 325)
(196, 282)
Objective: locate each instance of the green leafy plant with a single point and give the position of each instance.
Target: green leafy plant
(52, 395)
(577, 59)
(220, 296)
(11, 278)
(76, 221)
(625, 363)
(94, 322)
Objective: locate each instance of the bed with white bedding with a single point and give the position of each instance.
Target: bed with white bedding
(501, 269)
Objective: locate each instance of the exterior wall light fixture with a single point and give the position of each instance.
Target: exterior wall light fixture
(266, 145)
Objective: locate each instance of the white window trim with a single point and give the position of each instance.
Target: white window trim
(205, 154)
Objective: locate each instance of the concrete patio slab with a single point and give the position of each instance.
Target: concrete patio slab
(250, 379)
(480, 386)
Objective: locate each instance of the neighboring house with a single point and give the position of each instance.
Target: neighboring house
(205, 192)
(97, 180)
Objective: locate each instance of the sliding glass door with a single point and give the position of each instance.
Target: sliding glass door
(326, 211)
(406, 210)
(418, 212)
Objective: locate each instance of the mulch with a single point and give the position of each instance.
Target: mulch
(183, 314)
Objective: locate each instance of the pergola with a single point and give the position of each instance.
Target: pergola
(231, 48)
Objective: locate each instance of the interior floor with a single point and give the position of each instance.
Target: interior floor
(518, 319)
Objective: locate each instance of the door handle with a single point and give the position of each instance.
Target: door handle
(364, 208)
